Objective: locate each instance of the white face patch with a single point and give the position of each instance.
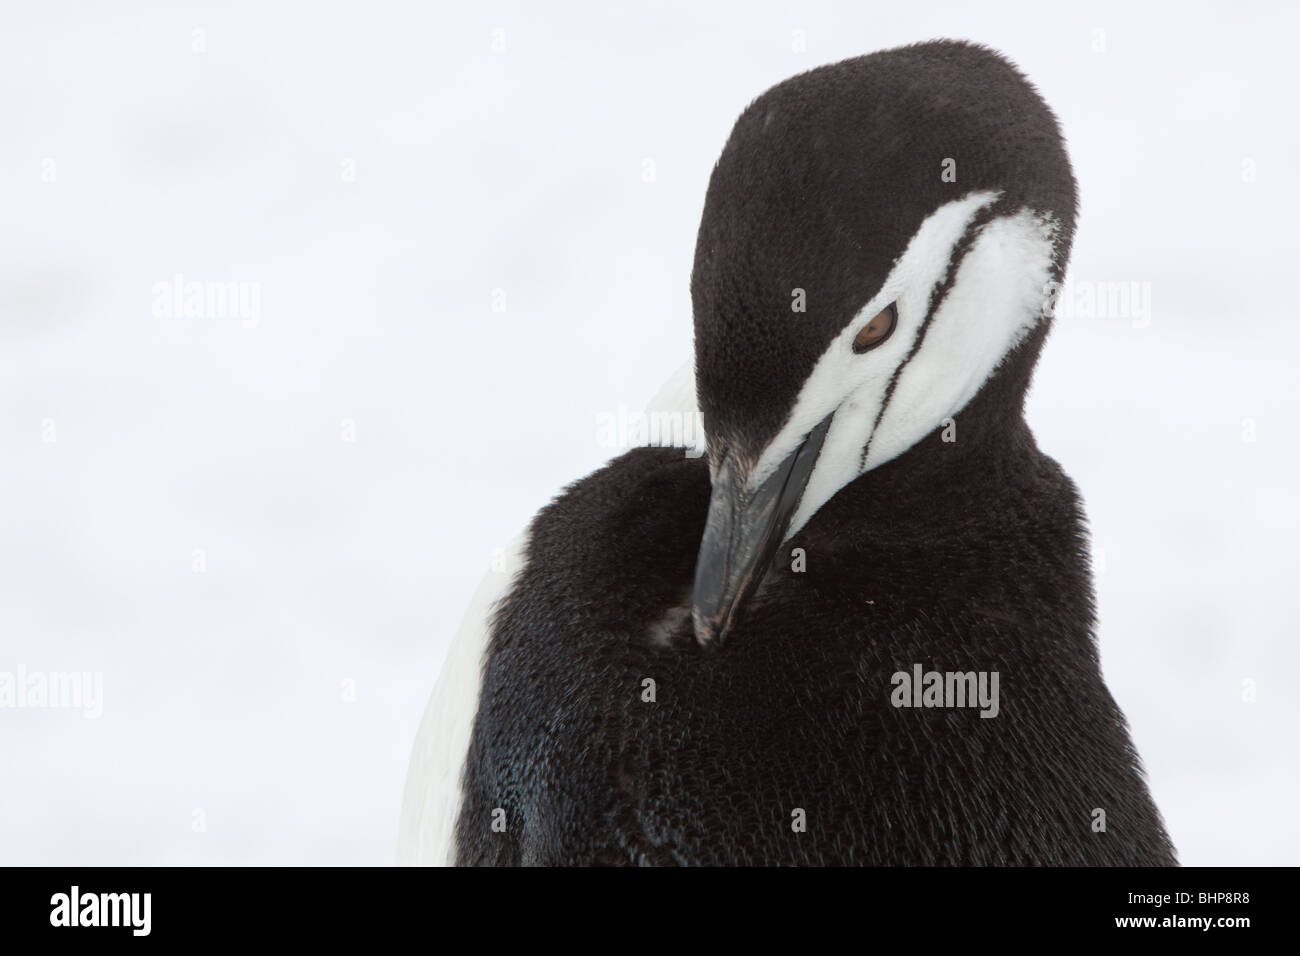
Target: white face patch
(998, 295)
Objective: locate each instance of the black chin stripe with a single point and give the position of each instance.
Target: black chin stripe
(937, 296)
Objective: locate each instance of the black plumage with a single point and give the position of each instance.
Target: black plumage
(959, 556)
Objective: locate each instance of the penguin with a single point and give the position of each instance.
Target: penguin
(860, 630)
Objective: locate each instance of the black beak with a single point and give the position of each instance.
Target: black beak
(742, 534)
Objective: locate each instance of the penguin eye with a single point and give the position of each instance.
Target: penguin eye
(877, 330)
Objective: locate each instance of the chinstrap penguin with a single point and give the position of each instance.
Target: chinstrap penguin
(696, 661)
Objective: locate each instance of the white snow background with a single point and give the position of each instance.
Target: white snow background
(339, 569)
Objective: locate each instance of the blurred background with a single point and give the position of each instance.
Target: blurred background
(459, 234)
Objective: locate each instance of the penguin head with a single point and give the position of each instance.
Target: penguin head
(879, 236)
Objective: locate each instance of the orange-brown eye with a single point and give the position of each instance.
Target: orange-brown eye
(877, 330)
